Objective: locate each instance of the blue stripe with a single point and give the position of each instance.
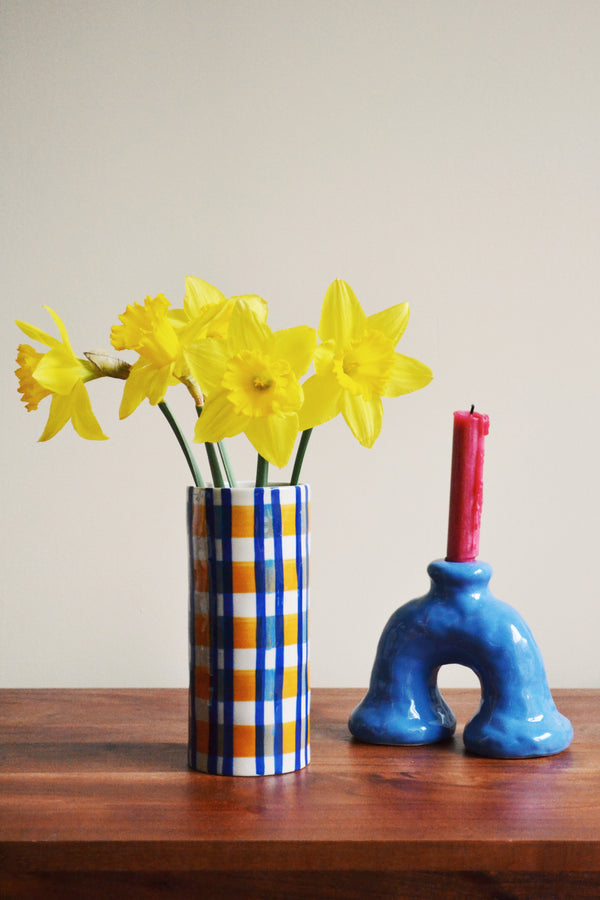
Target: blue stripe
(279, 646)
(227, 632)
(213, 704)
(306, 581)
(192, 748)
(261, 637)
(300, 647)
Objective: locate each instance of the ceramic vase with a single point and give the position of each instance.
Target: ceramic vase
(249, 696)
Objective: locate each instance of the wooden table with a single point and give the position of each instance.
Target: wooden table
(96, 801)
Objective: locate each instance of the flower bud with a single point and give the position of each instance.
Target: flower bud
(109, 365)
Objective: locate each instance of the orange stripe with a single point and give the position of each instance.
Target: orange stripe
(290, 682)
(244, 684)
(289, 736)
(244, 632)
(242, 521)
(244, 740)
(290, 575)
(288, 519)
(202, 736)
(244, 737)
(199, 521)
(202, 683)
(202, 631)
(243, 580)
(242, 577)
(201, 575)
(290, 629)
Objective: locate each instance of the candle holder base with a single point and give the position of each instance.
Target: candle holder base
(460, 621)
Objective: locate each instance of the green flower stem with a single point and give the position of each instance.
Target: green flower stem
(187, 451)
(226, 463)
(262, 472)
(213, 460)
(215, 468)
(300, 452)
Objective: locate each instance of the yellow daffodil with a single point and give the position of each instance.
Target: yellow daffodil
(251, 382)
(162, 337)
(206, 311)
(61, 375)
(356, 365)
(147, 330)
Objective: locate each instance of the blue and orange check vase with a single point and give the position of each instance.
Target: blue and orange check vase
(249, 710)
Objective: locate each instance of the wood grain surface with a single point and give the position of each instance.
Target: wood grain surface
(96, 801)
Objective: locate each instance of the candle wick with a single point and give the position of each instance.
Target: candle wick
(472, 410)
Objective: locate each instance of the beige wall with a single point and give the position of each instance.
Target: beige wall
(444, 153)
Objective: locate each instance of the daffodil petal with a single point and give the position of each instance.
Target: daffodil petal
(273, 437)
(296, 345)
(197, 328)
(408, 375)
(36, 334)
(157, 381)
(84, 421)
(322, 400)
(63, 331)
(144, 382)
(177, 318)
(208, 360)
(323, 358)
(218, 420)
(246, 330)
(363, 417)
(218, 325)
(60, 413)
(392, 321)
(134, 392)
(342, 317)
(259, 306)
(198, 295)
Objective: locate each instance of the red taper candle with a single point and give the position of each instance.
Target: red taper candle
(466, 485)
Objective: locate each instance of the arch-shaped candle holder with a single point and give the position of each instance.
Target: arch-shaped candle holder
(460, 621)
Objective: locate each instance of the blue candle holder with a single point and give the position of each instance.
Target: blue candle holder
(460, 621)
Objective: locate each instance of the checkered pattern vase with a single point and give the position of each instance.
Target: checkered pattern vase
(249, 681)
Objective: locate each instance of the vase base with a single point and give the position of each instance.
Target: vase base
(250, 767)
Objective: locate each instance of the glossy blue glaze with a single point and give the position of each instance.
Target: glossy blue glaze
(460, 621)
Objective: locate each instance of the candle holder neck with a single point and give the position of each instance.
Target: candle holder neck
(456, 578)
